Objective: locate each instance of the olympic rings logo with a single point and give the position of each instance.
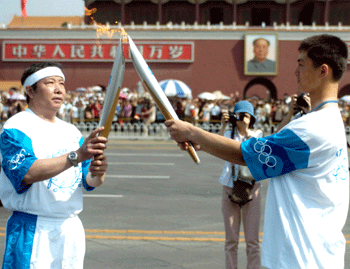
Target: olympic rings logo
(265, 154)
(17, 160)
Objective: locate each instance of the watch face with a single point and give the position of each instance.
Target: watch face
(73, 156)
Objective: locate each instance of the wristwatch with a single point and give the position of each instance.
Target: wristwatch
(73, 157)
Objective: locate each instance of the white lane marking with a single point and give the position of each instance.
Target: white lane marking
(136, 176)
(145, 154)
(138, 163)
(103, 195)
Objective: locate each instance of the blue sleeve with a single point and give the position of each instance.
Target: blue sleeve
(275, 155)
(17, 157)
(85, 169)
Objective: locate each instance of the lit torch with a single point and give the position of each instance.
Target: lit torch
(113, 91)
(155, 90)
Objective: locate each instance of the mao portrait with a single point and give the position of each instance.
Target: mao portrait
(260, 54)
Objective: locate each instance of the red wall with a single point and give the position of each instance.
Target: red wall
(218, 65)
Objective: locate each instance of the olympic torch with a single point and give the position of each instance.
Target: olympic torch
(155, 90)
(113, 91)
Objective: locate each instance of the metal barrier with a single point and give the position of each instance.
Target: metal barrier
(155, 130)
(159, 131)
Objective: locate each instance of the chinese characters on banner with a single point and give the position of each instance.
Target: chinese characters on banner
(94, 51)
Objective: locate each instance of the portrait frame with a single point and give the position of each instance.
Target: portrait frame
(252, 67)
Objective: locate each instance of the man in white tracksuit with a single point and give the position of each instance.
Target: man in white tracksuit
(45, 166)
(308, 195)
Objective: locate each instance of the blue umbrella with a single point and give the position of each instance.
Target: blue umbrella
(345, 98)
(173, 87)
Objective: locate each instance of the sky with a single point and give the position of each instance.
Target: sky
(9, 8)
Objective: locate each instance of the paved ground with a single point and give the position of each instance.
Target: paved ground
(157, 209)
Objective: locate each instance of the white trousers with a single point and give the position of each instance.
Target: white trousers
(38, 242)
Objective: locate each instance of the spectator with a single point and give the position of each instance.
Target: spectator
(61, 114)
(16, 106)
(278, 113)
(296, 110)
(67, 110)
(231, 178)
(267, 111)
(204, 115)
(126, 109)
(187, 110)
(5, 109)
(96, 108)
(148, 115)
(345, 111)
(133, 117)
(194, 108)
(260, 112)
(89, 111)
(1, 104)
(77, 111)
(180, 109)
(215, 111)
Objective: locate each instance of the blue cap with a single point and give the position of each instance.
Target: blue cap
(245, 107)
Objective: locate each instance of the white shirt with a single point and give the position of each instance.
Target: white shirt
(26, 138)
(308, 195)
(226, 177)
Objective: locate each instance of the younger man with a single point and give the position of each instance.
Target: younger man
(308, 195)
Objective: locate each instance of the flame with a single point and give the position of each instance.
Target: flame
(124, 35)
(89, 12)
(105, 30)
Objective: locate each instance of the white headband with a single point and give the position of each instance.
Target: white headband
(42, 73)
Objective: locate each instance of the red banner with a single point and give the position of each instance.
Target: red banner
(23, 8)
(60, 51)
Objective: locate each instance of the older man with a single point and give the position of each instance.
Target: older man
(45, 165)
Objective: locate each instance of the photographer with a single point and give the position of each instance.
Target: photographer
(298, 106)
(241, 195)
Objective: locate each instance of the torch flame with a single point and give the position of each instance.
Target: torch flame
(105, 30)
(89, 12)
(124, 35)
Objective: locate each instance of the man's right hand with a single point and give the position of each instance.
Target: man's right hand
(92, 146)
(225, 117)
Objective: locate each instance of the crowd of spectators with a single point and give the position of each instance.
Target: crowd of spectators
(135, 107)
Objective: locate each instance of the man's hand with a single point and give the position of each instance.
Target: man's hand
(225, 117)
(98, 165)
(216, 145)
(93, 146)
(293, 107)
(180, 131)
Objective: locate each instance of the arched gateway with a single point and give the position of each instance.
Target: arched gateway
(264, 82)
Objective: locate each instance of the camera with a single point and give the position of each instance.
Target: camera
(233, 118)
(301, 102)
